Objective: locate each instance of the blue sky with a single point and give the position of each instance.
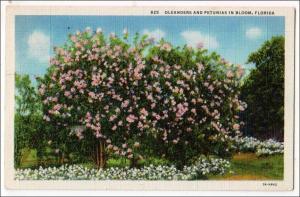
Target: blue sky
(234, 38)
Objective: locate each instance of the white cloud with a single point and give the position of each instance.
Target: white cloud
(39, 46)
(253, 33)
(193, 38)
(157, 34)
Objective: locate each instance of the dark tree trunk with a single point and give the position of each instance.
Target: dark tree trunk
(62, 158)
(100, 154)
(133, 162)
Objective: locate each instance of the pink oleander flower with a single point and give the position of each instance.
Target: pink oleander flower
(92, 95)
(115, 148)
(211, 88)
(112, 118)
(236, 126)
(158, 89)
(149, 97)
(154, 74)
(98, 135)
(190, 119)
(167, 47)
(153, 105)
(120, 123)
(117, 110)
(241, 108)
(79, 135)
(68, 78)
(194, 101)
(181, 109)
(144, 112)
(109, 147)
(42, 89)
(199, 45)
(57, 107)
(140, 125)
(200, 100)
(131, 118)
(240, 71)
(114, 128)
(215, 126)
(67, 93)
(157, 117)
(176, 89)
(229, 74)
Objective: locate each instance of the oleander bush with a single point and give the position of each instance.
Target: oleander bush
(107, 96)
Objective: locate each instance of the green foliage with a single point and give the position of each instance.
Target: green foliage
(263, 90)
(154, 161)
(28, 117)
(26, 97)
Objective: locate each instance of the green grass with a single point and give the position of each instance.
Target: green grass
(29, 158)
(123, 162)
(245, 166)
(118, 162)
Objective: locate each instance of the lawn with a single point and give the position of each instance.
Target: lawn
(244, 166)
(247, 166)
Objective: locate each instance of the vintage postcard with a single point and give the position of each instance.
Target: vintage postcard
(149, 98)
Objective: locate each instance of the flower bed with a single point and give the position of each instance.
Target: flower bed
(251, 144)
(199, 170)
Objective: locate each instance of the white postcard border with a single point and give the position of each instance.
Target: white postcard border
(10, 183)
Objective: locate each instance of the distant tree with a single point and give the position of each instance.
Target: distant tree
(263, 90)
(28, 118)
